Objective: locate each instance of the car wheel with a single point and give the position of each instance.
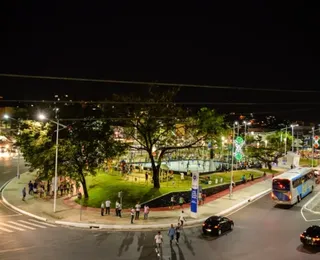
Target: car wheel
(219, 232)
(231, 227)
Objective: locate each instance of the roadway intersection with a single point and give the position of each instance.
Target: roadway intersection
(262, 231)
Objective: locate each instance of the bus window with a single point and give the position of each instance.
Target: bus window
(281, 185)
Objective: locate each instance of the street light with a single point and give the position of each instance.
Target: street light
(292, 126)
(43, 117)
(232, 159)
(6, 117)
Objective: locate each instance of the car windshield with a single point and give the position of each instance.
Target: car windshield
(279, 184)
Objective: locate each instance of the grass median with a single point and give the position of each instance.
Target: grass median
(107, 185)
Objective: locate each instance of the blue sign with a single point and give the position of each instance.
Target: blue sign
(194, 194)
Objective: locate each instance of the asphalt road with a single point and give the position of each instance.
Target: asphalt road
(262, 231)
(8, 170)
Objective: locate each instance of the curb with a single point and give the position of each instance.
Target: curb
(310, 210)
(160, 226)
(129, 227)
(3, 188)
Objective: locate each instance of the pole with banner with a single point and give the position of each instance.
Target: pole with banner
(194, 195)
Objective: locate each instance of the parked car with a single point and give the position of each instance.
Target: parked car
(216, 225)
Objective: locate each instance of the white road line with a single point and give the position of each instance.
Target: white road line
(32, 224)
(304, 207)
(42, 223)
(21, 225)
(6, 230)
(10, 226)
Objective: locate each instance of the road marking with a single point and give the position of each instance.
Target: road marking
(32, 224)
(21, 225)
(42, 223)
(9, 226)
(15, 249)
(304, 207)
(6, 230)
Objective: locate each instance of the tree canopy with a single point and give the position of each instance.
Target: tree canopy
(81, 150)
(158, 126)
(270, 150)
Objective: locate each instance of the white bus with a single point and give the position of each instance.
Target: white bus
(290, 187)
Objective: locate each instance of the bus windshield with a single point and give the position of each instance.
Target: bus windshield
(278, 184)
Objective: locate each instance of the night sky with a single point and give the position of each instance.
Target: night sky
(254, 44)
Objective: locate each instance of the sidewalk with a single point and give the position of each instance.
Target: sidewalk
(69, 211)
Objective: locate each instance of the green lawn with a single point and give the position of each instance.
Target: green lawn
(103, 186)
(269, 171)
(308, 162)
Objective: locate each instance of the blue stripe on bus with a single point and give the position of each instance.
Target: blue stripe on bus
(281, 196)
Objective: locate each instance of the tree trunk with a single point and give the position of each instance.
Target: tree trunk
(84, 184)
(155, 171)
(269, 166)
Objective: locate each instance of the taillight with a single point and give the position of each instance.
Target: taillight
(290, 196)
(203, 224)
(302, 235)
(216, 226)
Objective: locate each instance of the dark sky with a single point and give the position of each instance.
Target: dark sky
(257, 44)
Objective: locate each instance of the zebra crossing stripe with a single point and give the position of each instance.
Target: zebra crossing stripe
(21, 225)
(32, 224)
(10, 226)
(6, 230)
(42, 223)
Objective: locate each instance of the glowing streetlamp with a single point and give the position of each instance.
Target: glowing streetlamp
(43, 117)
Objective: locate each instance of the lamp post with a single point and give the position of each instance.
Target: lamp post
(6, 117)
(42, 117)
(292, 132)
(232, 159)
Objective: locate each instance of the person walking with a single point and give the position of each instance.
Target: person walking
(117, 208)
(132, 212)
(138, 208)
(178, 230)
(181, 201)
(146, 212)
(171, 233)
(102, 208)
(181, 219)
(108, 204)
(158, 240)
(24, 193)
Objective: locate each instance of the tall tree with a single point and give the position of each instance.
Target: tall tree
(158, 126)
(81, 150)
(270, 150)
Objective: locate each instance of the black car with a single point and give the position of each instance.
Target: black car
(311, 237)
(216, 225)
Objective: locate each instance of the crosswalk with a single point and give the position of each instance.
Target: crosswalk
(23, 225)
